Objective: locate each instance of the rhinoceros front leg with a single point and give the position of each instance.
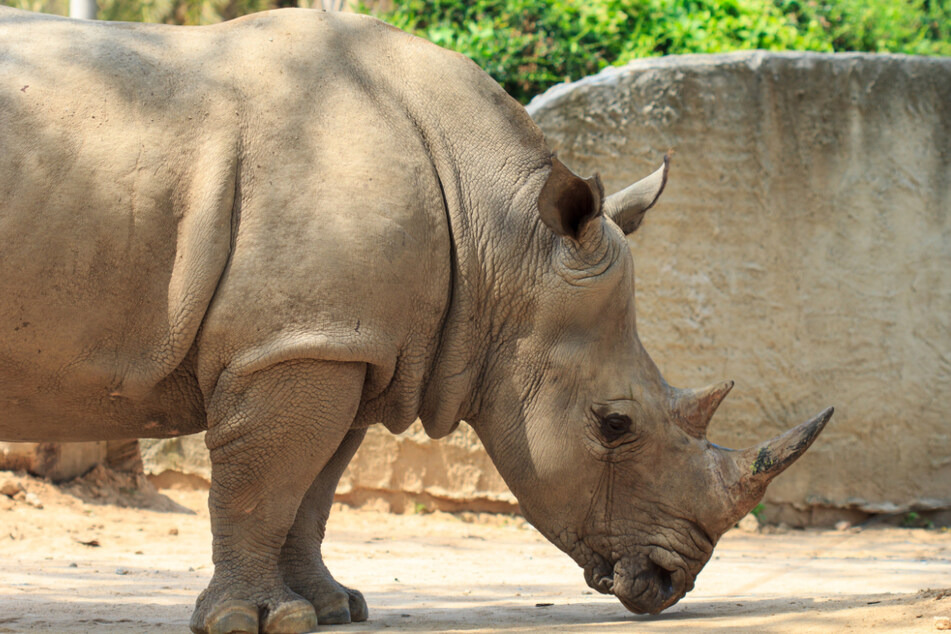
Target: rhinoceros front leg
(270, 434)
(301, 560)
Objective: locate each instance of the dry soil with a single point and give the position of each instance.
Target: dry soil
(84, 563)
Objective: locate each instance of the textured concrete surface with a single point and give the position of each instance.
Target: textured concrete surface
(186, 454)
(411, 471)
(803, 248)
(404, 473)
(54, 461)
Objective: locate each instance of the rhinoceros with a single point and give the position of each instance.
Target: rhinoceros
(289, 227)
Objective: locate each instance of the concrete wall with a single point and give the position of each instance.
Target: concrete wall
(403, 474)
(51, 460)
(803, 248)
(411, 472)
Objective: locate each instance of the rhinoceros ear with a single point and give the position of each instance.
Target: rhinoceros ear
(628, 206)
(568, 202)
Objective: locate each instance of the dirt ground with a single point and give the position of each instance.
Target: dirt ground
(73, 560)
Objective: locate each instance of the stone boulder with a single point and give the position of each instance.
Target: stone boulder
(51, 460)
(405, 473)
(802, 248)
(177, 461)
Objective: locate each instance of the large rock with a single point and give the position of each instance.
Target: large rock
(185, 454)
(51, 460)
(60, 461)
(411, 472)
(402, 473)
(803, 248)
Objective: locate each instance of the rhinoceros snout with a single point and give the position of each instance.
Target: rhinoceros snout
(652, 589)
(649, 584)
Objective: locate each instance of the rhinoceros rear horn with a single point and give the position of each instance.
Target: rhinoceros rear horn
(695, 408)
(628, 206)
(568, 202)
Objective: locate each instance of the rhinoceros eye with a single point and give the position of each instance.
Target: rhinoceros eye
(613, 426)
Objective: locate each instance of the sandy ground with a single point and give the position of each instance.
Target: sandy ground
(81, 565)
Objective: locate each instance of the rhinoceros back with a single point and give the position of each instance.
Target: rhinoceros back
(180, 206)
(116, 190)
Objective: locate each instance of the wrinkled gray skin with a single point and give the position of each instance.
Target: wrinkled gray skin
(290, 227)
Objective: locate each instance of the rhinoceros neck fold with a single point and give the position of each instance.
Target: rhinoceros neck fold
(489, 282)
(447, 390)
(491, 161)
(490, 172)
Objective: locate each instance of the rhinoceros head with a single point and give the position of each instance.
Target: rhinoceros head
(607, 460)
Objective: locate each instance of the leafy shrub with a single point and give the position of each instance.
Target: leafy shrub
(921, 27)
(164, 11)
(528, 45)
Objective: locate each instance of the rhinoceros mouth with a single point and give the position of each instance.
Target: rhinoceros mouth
(646, 583)
(650, 588)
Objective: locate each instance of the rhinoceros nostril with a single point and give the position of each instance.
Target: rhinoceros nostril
(665, 582)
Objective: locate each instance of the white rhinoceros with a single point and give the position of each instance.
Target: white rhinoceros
(292, 226)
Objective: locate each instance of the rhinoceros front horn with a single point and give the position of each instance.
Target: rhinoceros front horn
(760, 464)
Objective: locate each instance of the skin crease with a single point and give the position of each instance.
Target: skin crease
(624, 509)
(292, 226)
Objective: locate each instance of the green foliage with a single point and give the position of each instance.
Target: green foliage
(164, 11)
(56, 7)
(528, 45)
(911, 519)
(914, 520)
(917, 27)
(757, 511)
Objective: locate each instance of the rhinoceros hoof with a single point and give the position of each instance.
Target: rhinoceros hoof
(242, 617)
(342, 606)
(229, 617)
(358, 606)
(295, 617)
(335, 603)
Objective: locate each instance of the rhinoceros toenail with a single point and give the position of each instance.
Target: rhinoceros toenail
(295, 617)
(233, 617)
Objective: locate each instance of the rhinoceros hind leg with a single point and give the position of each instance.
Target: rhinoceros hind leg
(270, 434)
(301, 560)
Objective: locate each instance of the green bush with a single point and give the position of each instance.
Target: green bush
(528, 45)
(920, 27)
(164, 11)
